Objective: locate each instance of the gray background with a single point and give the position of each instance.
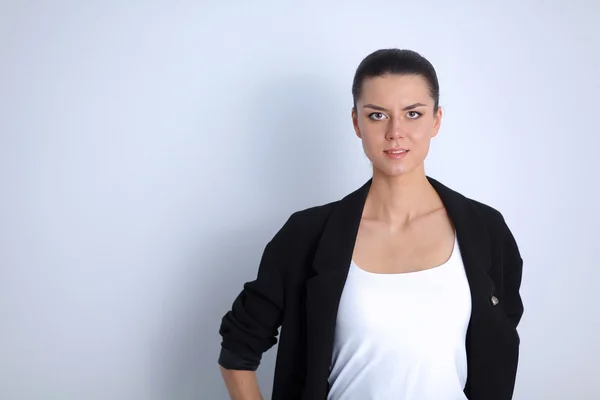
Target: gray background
(149, 150)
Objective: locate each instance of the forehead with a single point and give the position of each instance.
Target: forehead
(395, 90)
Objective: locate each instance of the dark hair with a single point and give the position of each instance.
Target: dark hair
(396, 62)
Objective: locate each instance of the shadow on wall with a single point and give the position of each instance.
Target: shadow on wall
(290, 128)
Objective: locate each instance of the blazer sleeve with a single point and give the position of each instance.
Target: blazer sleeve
(250, 328)
(513, 273)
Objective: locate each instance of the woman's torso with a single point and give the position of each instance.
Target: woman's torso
(403, 314)
(402, 336)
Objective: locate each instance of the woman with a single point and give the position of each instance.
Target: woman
(403, 289)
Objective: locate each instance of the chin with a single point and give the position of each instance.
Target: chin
(395, 169)
(391, 171)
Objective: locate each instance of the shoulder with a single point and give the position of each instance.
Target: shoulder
(492, 218)
(497, 227)
(298, 238)
(307, 223)
(490, 215)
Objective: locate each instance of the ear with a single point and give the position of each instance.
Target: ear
(355, 123)
(437, 122)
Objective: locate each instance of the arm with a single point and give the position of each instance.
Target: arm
(241, 385)
(513, 273)
(250, 328)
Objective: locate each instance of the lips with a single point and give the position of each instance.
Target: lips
(396, 154)
(396, 151)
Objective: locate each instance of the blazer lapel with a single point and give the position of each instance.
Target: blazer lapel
(474, 244)
(332, 261)
(324, 289)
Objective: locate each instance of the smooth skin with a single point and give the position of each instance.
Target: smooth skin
(404, 226)
(241, 385)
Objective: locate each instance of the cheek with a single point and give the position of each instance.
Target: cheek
(373, 142)
(420, 133)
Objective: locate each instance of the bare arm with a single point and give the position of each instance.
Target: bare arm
(241, 385)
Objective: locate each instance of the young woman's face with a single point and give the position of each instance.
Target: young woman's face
(394, 117)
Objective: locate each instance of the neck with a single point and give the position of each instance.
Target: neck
(400, 199)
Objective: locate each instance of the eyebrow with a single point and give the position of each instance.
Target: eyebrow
(410, 107)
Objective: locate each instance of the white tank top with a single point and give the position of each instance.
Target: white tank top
(402, 336)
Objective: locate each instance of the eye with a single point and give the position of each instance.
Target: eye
(377, 116)
(413, 114)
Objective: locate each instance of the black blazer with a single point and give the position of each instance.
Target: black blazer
(300, 280)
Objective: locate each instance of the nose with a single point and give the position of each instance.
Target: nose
(395, 130)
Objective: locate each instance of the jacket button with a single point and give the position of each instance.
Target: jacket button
(494, 300)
